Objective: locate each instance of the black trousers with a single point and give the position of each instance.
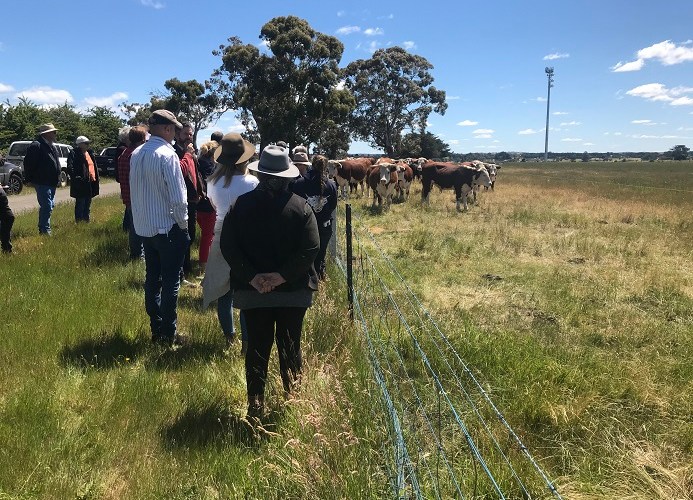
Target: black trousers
(6, 222)
(192, 232)
(264, 325)
(325, 236)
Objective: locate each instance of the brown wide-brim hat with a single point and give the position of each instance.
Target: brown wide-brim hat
(301, 158)
(47, 127)
(274, 160)
(233, 150)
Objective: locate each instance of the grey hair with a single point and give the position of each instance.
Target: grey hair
(123, 134)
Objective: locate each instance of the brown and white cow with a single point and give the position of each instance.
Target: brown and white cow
(461, 178)
(349, 173)
(405, 175)
(382, 179)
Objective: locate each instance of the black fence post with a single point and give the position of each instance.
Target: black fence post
(349, 263)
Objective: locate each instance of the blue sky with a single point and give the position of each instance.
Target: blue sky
(623, 68)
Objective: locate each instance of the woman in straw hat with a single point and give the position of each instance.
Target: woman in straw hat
(270, 239)
(228, 181)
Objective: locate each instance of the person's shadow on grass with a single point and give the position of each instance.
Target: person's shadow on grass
(216, 425)
(107, 351)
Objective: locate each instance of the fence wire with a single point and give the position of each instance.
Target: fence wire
(447, 438)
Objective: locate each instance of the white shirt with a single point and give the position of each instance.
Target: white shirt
(223, 198)
(157, 189)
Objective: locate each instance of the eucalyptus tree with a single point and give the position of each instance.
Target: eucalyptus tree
(289, 92)
(393, 91)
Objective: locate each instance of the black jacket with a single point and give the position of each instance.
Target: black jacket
(41, 163)
(323, 204)
(78, 169)
(265, 232)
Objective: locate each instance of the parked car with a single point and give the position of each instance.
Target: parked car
(11, 177)
(18, 149)
(107, 161)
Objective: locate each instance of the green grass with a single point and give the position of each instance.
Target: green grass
(584, 343)
(90, 409)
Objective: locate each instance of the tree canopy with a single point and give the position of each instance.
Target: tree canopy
(393, 91)
(20, 122)
(679, 152)
(428, 145)
(290, 94)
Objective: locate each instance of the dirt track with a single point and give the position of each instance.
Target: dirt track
(26, 201)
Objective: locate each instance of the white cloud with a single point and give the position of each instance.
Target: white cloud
(496, 141)
(588, 144)
(453, 142)
(372, 47)
(46, 95)
(5, 88)
(555, 55)
(483, 136)
(340, 13)
(153, 4)
(452, 98)
(659, 92)
(539, 99)
(571, 139)
(527, 131)
(622, 67)
(110, 101)
(666, 52)
(483, 131)
(559, 113)
(642, 122)
(347, 30)
(263, 45)
(373, 31)
(682, 101)
(570, 124)
(618, 133)
(467, 123)
(408, 45)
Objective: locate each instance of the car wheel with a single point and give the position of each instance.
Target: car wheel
(15, 184)
(62, 179)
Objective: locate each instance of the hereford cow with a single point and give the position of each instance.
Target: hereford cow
(461, 178)
(349, 173)
(405, 175)
(382, 179)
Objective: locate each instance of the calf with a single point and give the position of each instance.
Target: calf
(405, 175)
(382, 179)
(461, 178)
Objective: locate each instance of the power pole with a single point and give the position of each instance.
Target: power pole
(549, 75)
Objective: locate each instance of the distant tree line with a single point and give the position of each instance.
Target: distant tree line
(20, 121)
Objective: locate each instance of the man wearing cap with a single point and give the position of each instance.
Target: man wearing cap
(160, 217)
(42, 169)
(84, 178)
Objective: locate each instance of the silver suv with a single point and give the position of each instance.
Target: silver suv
(17, 152)
(11, 177)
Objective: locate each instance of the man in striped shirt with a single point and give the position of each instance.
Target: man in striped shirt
(160, 216)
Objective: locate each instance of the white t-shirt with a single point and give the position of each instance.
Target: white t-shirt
(223, 198)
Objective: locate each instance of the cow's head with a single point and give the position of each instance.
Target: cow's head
(385, 170)
(332, 167)
(481, 178)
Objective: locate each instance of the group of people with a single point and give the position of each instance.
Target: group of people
(265, 226)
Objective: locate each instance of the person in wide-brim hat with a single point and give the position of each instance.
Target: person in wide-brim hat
(46, 127)
(233, 150)
(274, 160)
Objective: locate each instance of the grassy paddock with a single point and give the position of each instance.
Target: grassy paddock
(90, 409)
(570, 290)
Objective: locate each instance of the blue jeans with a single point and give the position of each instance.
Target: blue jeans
(134, 240)
(82, 209)
(225, 315)
(163, 256)
(46, 200)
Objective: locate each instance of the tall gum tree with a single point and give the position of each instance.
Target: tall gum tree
(290, 94)
(393, 91)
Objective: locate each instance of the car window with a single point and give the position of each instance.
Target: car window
(18, 149)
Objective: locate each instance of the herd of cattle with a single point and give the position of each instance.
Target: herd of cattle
(391, 179)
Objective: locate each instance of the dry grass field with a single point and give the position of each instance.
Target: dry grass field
(577, 281)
